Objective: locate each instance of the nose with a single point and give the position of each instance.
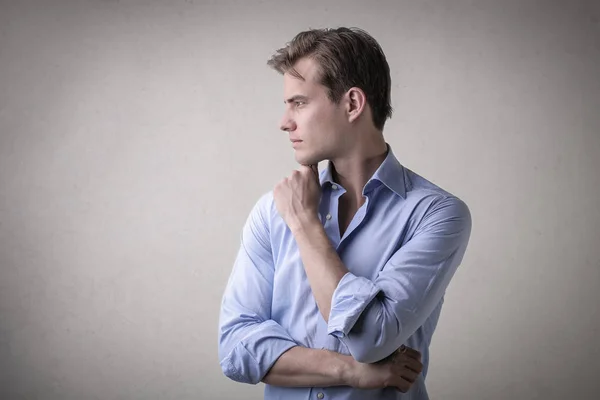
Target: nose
(287, 124)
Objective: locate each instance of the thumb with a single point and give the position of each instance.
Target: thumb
(313, 168)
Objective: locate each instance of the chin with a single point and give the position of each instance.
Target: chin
(307, 159)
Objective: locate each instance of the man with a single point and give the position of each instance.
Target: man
(340, 276)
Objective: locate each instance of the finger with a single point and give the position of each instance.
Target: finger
(402, 385)
(304, 168)
(312, 169)
(405, 359)
(414, 365)
(409, 375)
(412, 353)
(401, 352)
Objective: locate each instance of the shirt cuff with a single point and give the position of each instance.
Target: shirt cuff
(252, 358)
(352, 295)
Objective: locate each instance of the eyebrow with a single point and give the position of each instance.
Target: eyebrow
(295, 98)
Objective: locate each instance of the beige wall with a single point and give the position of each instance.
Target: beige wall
(135, 136)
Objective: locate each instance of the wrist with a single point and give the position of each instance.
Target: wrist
(346, 371)
(304, 222)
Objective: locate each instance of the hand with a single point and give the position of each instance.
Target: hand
(297, 196)
(399, 370)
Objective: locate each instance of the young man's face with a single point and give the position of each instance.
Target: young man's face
(310, 117)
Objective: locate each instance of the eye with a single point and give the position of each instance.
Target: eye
(300, 103)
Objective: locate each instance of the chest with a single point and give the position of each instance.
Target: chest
(364, 238)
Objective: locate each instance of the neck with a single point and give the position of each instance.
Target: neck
(353, 170)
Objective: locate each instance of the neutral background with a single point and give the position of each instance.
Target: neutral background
(135, 136)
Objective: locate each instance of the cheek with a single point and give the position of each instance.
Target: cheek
(308, 120)
(329, 124)
(321, 120)
(317, 124)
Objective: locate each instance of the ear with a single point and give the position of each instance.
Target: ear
(356, 101)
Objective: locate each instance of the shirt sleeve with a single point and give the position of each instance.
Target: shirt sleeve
(374, 318)
(249, 341)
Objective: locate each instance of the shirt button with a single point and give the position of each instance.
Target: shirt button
(334, 187)
(328, 216)
(320, 395)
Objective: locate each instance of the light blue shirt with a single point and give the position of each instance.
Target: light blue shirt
(401, 249)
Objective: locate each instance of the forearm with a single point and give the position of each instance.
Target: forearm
(304, 367)
(323, 266)
(377, 335)
(248, 350)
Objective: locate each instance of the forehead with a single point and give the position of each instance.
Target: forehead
(309, 70)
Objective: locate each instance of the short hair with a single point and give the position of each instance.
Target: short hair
(347, 57)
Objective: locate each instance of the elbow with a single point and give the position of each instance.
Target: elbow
(365, 357)
(238, 374)
(230, 358)
(365, 349)
(375, 345)
(369, 355)
(230, 371)
(232, 365)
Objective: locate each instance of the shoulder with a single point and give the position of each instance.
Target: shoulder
(264, 221)
(262, 209)
(265, 205)
(434, 204)
(264, 212)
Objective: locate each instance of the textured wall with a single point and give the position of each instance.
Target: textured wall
(136, 135)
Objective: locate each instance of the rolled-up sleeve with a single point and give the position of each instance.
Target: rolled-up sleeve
(249, 341)
(373, 318)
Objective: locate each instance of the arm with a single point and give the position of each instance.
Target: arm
(253, 347)
(249, 340)
(304, 367)
(375, 318)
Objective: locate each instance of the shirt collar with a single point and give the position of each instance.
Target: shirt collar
(390, 173)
